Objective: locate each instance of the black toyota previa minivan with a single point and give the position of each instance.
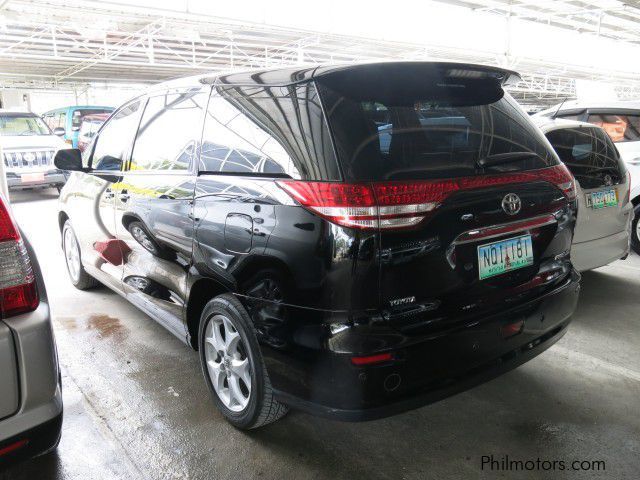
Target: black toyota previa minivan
(350, 240)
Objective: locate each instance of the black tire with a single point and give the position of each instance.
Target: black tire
(262, 407)
(635, 241)
(84, 281)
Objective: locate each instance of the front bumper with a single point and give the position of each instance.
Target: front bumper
(52, 177)
(431, 367)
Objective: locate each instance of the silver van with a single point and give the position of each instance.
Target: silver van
(605, 212)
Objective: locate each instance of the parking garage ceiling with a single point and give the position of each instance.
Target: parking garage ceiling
(56, 43)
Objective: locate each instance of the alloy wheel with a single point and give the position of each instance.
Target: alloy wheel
(227, 363)
(72, 254)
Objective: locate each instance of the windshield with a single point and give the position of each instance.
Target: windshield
(393, 130)
(27, 125)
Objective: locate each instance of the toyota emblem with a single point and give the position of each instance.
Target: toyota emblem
(608, 181)
(29, 157)
(511, 204)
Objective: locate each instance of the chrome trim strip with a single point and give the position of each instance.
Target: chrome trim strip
(485, 233)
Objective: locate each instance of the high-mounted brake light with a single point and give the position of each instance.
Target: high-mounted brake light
(401, 204)
(18, 292)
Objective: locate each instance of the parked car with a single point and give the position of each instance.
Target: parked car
(621, 121)
(262, 219)
(30, 388)
(89, 127)
(28, 148)
(66, 121)
(603, 183)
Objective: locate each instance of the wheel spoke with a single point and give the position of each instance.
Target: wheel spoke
(217, 378)
(235, 393)
(240, 369)
(214, 336)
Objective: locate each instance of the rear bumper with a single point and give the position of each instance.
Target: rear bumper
(432, 367)
(39, 411)
(35, 441)
(600, 252)
(53, 177)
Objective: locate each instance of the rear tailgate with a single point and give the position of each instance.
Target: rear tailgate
(455, 165)
(457, 262)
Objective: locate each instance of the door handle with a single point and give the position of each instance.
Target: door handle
(124, 195)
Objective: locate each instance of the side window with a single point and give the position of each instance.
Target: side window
(114, 140)
(620, 128)
(169, 132)
(268, 130)
(62, 120)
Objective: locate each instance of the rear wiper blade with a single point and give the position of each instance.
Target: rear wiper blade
(500, 158)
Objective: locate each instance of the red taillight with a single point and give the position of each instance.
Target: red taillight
(18, 292)
(562, 178)
(400, 204)
(371, 359)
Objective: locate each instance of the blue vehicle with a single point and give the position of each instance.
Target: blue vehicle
(65, 122)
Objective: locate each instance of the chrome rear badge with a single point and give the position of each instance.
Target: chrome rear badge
(402, 301)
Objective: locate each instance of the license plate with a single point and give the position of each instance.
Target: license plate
(32, 177)
(501, 257)
(602, 199)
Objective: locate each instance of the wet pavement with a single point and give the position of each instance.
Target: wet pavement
(136, 405)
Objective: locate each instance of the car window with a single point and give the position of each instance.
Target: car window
(589, 154)
(22, 125)
(62, 120)
(78, 115)
(620, 128)
(114, 140)
(393, 128)
(169, 132)
(267, 130)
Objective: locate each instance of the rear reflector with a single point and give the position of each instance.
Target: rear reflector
(511, 329)
(401, 204)
(372, 359)
(12, 447)
(18, 292)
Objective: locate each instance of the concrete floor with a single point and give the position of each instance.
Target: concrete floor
(137, 407)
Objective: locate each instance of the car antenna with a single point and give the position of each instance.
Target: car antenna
(553, 117)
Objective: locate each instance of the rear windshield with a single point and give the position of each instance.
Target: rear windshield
(393, 128)
(589, 154)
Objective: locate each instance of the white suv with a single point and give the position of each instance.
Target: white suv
(28, 148)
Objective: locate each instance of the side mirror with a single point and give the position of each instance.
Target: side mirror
(69, 159)
(59, 131)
